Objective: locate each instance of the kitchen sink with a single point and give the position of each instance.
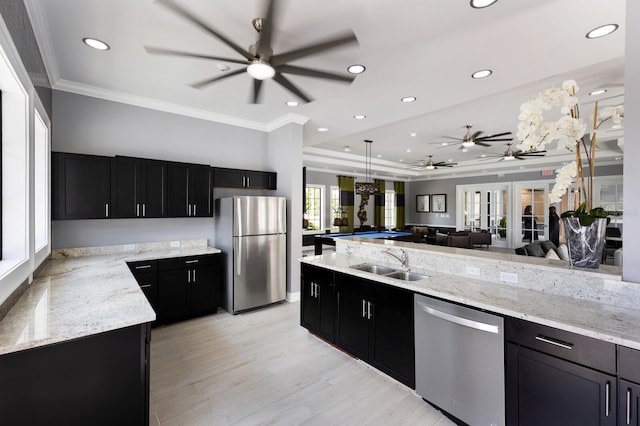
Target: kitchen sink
(389, 272)
(375, 269)
(406, 276)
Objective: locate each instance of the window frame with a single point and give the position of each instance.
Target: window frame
(321, 203)
(389, 208)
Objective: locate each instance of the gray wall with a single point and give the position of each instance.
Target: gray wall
(448, 187)
(630, 267)
(17, 21)
(89, 125)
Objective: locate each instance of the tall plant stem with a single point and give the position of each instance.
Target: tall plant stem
(592, 159)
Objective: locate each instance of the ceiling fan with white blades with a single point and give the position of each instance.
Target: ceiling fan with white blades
(260, 60)
(510, 154)
(430, 165)
(471, 139)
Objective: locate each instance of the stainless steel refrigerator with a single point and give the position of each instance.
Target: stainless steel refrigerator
(252, 232)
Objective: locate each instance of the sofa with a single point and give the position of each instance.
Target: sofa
(544, 248)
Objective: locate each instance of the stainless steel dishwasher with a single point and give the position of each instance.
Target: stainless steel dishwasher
(460, 361)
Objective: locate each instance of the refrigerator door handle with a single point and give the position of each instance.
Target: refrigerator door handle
(238, 253)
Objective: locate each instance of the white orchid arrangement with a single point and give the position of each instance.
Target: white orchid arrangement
(569, 130)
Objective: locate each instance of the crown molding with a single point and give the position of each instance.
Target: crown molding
(286, 119)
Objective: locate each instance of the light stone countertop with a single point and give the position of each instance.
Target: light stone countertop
(612, 315)
(81, 292)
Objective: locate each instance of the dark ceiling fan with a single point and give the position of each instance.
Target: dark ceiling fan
(470, 139)
(510, 154)
(430, 165)
(261, 62)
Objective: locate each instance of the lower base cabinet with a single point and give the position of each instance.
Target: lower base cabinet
(375, 323)
(188, 286)
(99, 380)
(318, 302)
(558, 378)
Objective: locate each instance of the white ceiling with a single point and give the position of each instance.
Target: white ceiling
(422, 48)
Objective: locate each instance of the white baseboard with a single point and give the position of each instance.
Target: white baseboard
(293, 297)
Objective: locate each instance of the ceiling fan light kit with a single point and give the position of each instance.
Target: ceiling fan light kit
(261, 62)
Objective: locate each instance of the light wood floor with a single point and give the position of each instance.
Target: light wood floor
(262, 368)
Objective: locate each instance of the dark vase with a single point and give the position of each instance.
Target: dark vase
(585, 243)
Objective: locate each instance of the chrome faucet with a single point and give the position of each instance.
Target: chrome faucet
(402, 259)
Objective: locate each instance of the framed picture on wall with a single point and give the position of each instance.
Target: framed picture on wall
(422, 203)
(439, 203)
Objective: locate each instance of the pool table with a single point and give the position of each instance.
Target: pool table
(330, 239)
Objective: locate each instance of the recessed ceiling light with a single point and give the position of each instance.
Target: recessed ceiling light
(465, 150)
(323, 129)
(602, 31)
(483, 155)
(379, 155)
(347, 148)
(401, 160)
(293, 103)
(359, 116)
(479, 4)
(450, 160)
(356, 69)
(95, 43)
(444, 143)
(481, 74)
(413, 135)
(598, 92)
(408, 99)
(408, 149)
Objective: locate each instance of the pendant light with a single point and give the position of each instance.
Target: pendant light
(368, 187)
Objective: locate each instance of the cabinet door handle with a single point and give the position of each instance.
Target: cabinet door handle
(628, 406)
(189, 207)
(554, 342)
(194, 210)
(369, 310)
(137, 210)
(188, 276)
(106, 209)
(248, 181)
(145, 286)
(144, 209)
(364, 308)
(311, 292)
(191, 261)
(607, 396)
(317, 290)
(143, 267)
(194, 275)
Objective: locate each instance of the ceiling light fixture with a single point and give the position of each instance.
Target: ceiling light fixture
(95, 43)
(293, 103)
(356, 69)
(260, 70)
(408, 149)
(481, 74)
(408, 99)
(413, 135)
(444, 143)
(369, 187)
(598, 92)
(601, 31)
(347, 148)
(479, 4)
(359, 116)
(323, 129)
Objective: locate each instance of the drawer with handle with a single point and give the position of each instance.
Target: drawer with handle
(143, 266)
(563, 344)
(187, 262)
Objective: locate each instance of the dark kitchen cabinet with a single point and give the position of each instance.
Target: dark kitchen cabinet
(318, 302)
(375, 323)
(189, 190)
(629, 387)
(138, 188)
(558, 378)
(102, 379)
(80, 186)
(189, 286)
(146, 274)
(236, 178)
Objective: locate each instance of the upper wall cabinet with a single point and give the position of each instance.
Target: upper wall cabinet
(138, 188)
(235, 178)
(80, 186)
(189, 190)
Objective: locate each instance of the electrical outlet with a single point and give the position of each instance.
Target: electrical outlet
(129, 247)
(509, 277)
(175, 243)
(472, 270)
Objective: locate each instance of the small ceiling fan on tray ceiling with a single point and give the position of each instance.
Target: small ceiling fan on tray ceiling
(260, 60)
(430, 165)
(510, 154)
(470, 139)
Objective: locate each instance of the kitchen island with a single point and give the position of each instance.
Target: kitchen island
(566, 324)
(74, 349)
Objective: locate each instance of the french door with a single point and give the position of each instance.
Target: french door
(485, 207)
(531, 212)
